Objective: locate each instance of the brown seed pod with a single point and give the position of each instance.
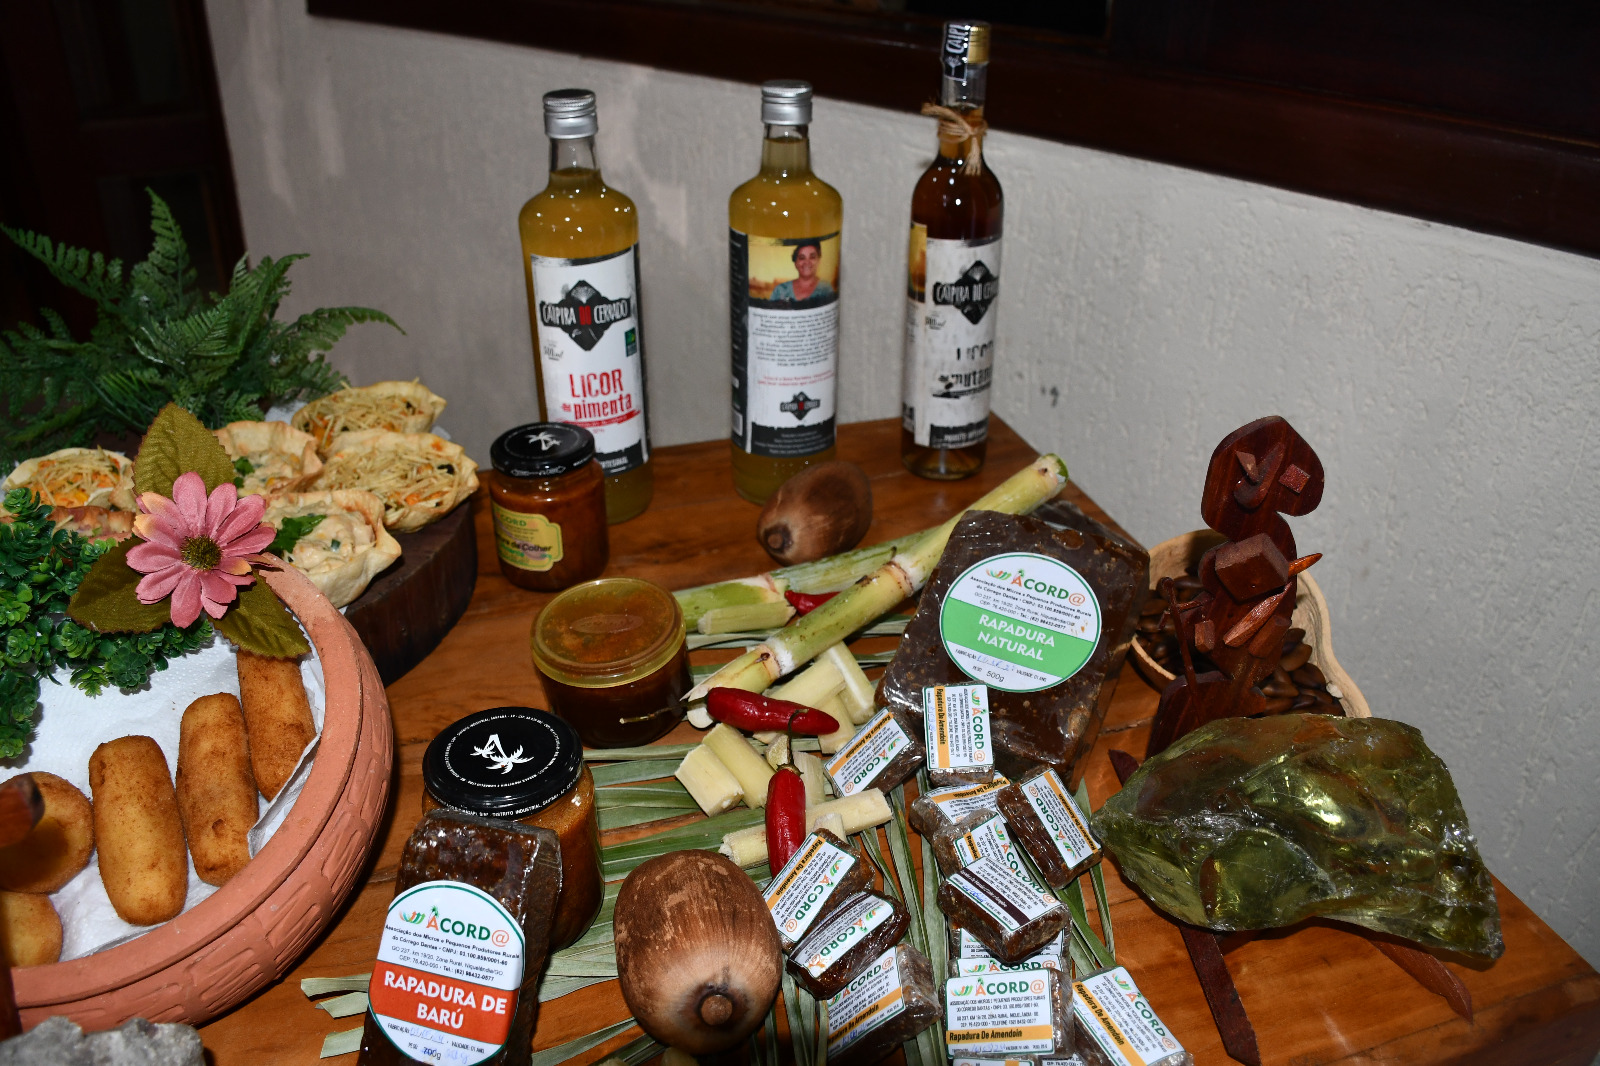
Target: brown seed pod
(822, 510)
(698, 956)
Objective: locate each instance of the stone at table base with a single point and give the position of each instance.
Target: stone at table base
(59, 1042)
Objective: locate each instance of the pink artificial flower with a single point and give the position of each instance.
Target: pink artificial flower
(197, 550)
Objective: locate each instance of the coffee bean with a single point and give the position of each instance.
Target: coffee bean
(1278, 706)
(1274, 690)
(1296, 658)
(1308, 674)
(1304, 701)
(1154, 605)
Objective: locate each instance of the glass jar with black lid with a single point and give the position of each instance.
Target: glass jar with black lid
(548, 497)
(525, 765)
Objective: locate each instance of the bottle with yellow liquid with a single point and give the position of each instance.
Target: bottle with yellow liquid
(783, 259)
(580, 256)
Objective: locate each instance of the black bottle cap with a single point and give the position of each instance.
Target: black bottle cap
(542, 449)
(505, 762)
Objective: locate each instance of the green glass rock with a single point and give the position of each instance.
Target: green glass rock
(1255, 823)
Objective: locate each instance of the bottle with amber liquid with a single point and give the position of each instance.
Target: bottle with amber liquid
(580, 257)
(953, 284)
(783, 259)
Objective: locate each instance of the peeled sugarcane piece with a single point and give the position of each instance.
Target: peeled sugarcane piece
(831, 823)
(811, 687)
(857, 693)
(745, 617)
(832, 742)
(708, 781)
(815, 777)
(778, 752)
(877, 593)
(865, 810)
(742, 761)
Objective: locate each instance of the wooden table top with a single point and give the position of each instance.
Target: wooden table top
(1317, 994)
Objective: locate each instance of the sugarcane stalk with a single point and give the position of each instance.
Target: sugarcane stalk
(877, 593)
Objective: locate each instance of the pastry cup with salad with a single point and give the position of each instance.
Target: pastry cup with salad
(419, 476)
(90, 490)
(397, 406)
(342, 550)
(272, 458)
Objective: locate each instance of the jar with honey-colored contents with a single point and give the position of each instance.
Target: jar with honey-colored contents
(613, 659)
(548, 498)
(525, 765)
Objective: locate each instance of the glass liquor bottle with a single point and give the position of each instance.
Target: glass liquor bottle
(783, 258)
(580, 257)
(953, 276)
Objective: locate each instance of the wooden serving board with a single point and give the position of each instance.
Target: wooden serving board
(408, 608)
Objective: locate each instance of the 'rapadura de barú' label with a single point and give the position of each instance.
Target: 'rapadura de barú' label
(444, 988)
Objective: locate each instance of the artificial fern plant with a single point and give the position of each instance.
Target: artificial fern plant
(159, 340)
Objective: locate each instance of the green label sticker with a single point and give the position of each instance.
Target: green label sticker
(1020, 622)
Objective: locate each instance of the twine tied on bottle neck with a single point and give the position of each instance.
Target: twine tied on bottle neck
(954, 126)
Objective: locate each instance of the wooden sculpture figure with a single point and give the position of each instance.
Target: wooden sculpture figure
(1258, 474)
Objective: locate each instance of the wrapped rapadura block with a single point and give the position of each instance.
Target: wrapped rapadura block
(1050, 825)
(886, 752)
(1118, 1027)
(846, 942)
(1008, 1015)
(1011, 917)
(941, 807)
(1041, 616)
(968, 955)
(888, 1003)
(957, 734)
(979, 834)
(819, 877)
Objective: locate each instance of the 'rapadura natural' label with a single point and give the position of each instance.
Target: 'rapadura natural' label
(444, 988)
(1020, 621)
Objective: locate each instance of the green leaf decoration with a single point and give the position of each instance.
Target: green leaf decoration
(175, 444)
(260, 623)
(107, 600)
(159, 339)
(294, 527)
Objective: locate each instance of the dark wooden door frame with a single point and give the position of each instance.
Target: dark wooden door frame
(1481, 174)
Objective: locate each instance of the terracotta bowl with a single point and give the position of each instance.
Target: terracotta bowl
(249, 932)
(1171, 558)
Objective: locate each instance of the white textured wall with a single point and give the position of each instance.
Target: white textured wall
(1450, 381)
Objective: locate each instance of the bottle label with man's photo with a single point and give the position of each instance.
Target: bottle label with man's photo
(591, 352)
(951, 308)
(785, 326)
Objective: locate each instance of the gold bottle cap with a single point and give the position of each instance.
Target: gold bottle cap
(966, 41)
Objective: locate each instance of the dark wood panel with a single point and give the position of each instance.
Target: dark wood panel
(1178, 87)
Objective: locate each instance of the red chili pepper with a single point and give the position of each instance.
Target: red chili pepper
(806, 602)
(753, 712)
(786, 816)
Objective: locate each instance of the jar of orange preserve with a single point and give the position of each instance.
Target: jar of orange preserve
(548, 495)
